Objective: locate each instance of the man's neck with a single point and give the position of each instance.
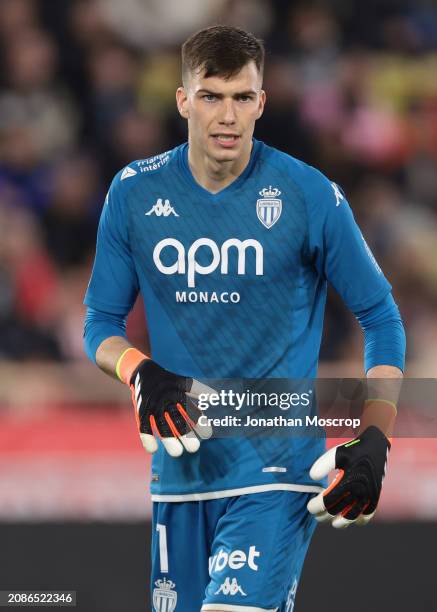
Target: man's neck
(213, 175)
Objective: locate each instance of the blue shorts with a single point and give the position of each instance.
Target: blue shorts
(240, 553)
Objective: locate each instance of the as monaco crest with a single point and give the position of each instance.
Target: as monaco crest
(164, 598)
(269, 207)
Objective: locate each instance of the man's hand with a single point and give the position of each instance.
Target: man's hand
(164, 409)
(354, 494)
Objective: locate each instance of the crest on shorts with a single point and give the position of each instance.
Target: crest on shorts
(164, 597)
(269, 206)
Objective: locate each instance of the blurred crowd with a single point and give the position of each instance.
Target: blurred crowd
(87, 86)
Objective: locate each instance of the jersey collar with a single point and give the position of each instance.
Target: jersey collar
(186, 171)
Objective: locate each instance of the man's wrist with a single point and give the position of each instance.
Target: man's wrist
(380, 413)
(128, 362)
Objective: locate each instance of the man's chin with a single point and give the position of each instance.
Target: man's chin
(223, 155)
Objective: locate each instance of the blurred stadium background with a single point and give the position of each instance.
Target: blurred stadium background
(87, 86)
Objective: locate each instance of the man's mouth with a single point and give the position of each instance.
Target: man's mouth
(226, 140)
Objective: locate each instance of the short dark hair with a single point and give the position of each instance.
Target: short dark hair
(221, 50)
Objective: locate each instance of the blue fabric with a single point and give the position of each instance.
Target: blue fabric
(384, 334)
(253, 545)
(98, 327)
(234, 285)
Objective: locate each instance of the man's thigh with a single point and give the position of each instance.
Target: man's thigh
(258, 552)
(181, 543)
(241, 553)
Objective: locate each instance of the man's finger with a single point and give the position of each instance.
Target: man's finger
(340, 502)
(363, 519)
(172, 446)
(353, 511)
(190, 442)
(149, 442)
(323, 517)
(340, 522)
(198, 388)
(192, 415)
(348, 516)
(323, 465)
(316, 505)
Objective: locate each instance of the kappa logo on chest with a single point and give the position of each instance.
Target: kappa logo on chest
(161, 209)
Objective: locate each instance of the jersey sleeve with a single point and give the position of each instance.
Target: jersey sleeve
(338, 248)
(114, 285)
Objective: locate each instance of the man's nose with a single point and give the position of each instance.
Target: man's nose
(228, 112)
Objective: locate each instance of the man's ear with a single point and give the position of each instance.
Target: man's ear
(262, 101)
(182, 102)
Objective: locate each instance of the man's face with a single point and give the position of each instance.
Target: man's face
(222, 113)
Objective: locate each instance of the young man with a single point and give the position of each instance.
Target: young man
(231, 243)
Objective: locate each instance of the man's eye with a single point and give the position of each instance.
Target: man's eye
(209, 97)
(245, 98)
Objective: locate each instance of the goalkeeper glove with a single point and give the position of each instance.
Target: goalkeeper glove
(353, 495)
(163, 408)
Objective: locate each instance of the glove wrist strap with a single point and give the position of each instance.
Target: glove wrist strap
(128, 362)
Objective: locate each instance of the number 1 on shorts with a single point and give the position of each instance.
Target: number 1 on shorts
(163, 555)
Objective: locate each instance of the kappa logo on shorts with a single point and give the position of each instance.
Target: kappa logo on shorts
(235, 560)
(164, 597)
(230, 587)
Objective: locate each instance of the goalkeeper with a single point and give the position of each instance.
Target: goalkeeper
(231, 244)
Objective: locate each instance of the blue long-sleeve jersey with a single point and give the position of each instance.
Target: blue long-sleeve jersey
(234, 285)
